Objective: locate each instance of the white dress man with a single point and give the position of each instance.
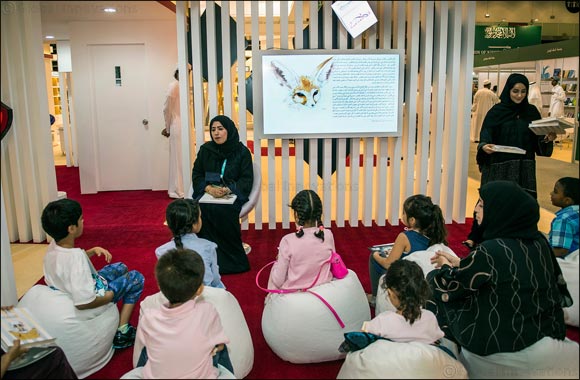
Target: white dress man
(557, 99)
(483, 100)
(535, 96)
(172, 130)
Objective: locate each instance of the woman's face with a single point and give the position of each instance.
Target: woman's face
(218, 132)
(479, 211)
(518, 93)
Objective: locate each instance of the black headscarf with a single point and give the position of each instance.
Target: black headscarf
(508, 211)
(233, 141)
(507, 109)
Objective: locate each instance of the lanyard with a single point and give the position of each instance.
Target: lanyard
(223, 169)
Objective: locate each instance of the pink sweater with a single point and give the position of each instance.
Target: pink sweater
(300, 259)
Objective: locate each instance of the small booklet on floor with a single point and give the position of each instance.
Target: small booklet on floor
(227, 199)
(18, 323)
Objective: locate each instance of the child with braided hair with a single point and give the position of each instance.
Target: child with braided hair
(425, 227)
(303, 255)
(184, 220)
(408, 291)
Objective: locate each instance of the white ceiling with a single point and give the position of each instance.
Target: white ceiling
(56, 15)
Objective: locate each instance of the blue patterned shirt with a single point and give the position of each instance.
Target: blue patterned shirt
(564, 229)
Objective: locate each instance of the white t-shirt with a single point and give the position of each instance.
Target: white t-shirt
(393, 326)
(69, 270)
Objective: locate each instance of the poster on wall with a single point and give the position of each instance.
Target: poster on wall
(328, 93)
(494, 38)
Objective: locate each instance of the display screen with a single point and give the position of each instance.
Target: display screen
(328, 93)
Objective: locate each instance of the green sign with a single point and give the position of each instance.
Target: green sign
(494, 38)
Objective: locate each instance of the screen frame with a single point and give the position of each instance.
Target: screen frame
(257, 83)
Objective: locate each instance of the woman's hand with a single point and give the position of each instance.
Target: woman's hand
(217, 191)
(488, 148)
(551, 136)
(442, 258)
(100, 251)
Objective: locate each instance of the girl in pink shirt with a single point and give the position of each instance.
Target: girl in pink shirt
(303, 255)
(408, 291)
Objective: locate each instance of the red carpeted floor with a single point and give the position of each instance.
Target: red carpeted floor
(130, 225)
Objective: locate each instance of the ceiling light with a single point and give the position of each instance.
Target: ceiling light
(536, 20)
(109, 10)
(487, 15)
(49, 37)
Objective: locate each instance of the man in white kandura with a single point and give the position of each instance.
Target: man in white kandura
(535, 96)
(483, 100)
(557, 99)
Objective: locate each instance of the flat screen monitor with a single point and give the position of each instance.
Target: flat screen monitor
(328, 93)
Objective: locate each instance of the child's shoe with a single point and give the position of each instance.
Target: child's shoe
(126, 339)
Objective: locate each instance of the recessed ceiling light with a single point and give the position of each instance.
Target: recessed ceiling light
(109, 10)
(487, 15)
(49, 37)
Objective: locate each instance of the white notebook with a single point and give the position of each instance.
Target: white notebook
(508, 149)
(228, 199)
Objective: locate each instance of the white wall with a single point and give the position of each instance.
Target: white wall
(159, 38)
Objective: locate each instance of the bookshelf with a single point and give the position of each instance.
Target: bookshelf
(56, 95)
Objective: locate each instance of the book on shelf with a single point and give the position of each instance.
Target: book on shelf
(557, 72)
(18, 323)
(227, 199)
(571, 74)
(508, 149)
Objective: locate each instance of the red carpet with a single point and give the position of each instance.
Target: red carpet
(130, 225)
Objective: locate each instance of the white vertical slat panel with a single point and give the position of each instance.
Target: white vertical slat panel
(28, 173)
(327, 190)
(395, 143)
(369, 144)
(424, 101)
(285, 142)
(255, 26)
(8, 295)
(198, 97)
(451, 110)
(298, 143)
(341, 184)
(226, 58)
(354, 181)
(466, 67)
(313, 143)
(184, 93)
(355, 167)
(438, 102)
(384, 33)
(212, 90)
(272, 178)
(410, 122)
(241, 74)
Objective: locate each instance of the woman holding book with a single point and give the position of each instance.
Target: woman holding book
(223, 166)
(507, 124)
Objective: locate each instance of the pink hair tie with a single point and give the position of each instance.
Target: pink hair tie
(299, 228)
(321, 227)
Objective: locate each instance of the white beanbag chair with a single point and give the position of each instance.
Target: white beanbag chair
(385, 359)
(299, 328)
(240, 348)
(569, 266)
(547, 358)
(85, 336)
(423, 258)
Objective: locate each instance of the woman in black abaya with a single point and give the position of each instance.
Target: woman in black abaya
(224, 166)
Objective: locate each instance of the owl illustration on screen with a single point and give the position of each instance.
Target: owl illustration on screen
(304, 90)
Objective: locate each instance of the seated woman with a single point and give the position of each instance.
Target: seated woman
(224, 166)
(506, 295)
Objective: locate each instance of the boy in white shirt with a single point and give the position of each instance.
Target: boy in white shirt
(70, 269)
